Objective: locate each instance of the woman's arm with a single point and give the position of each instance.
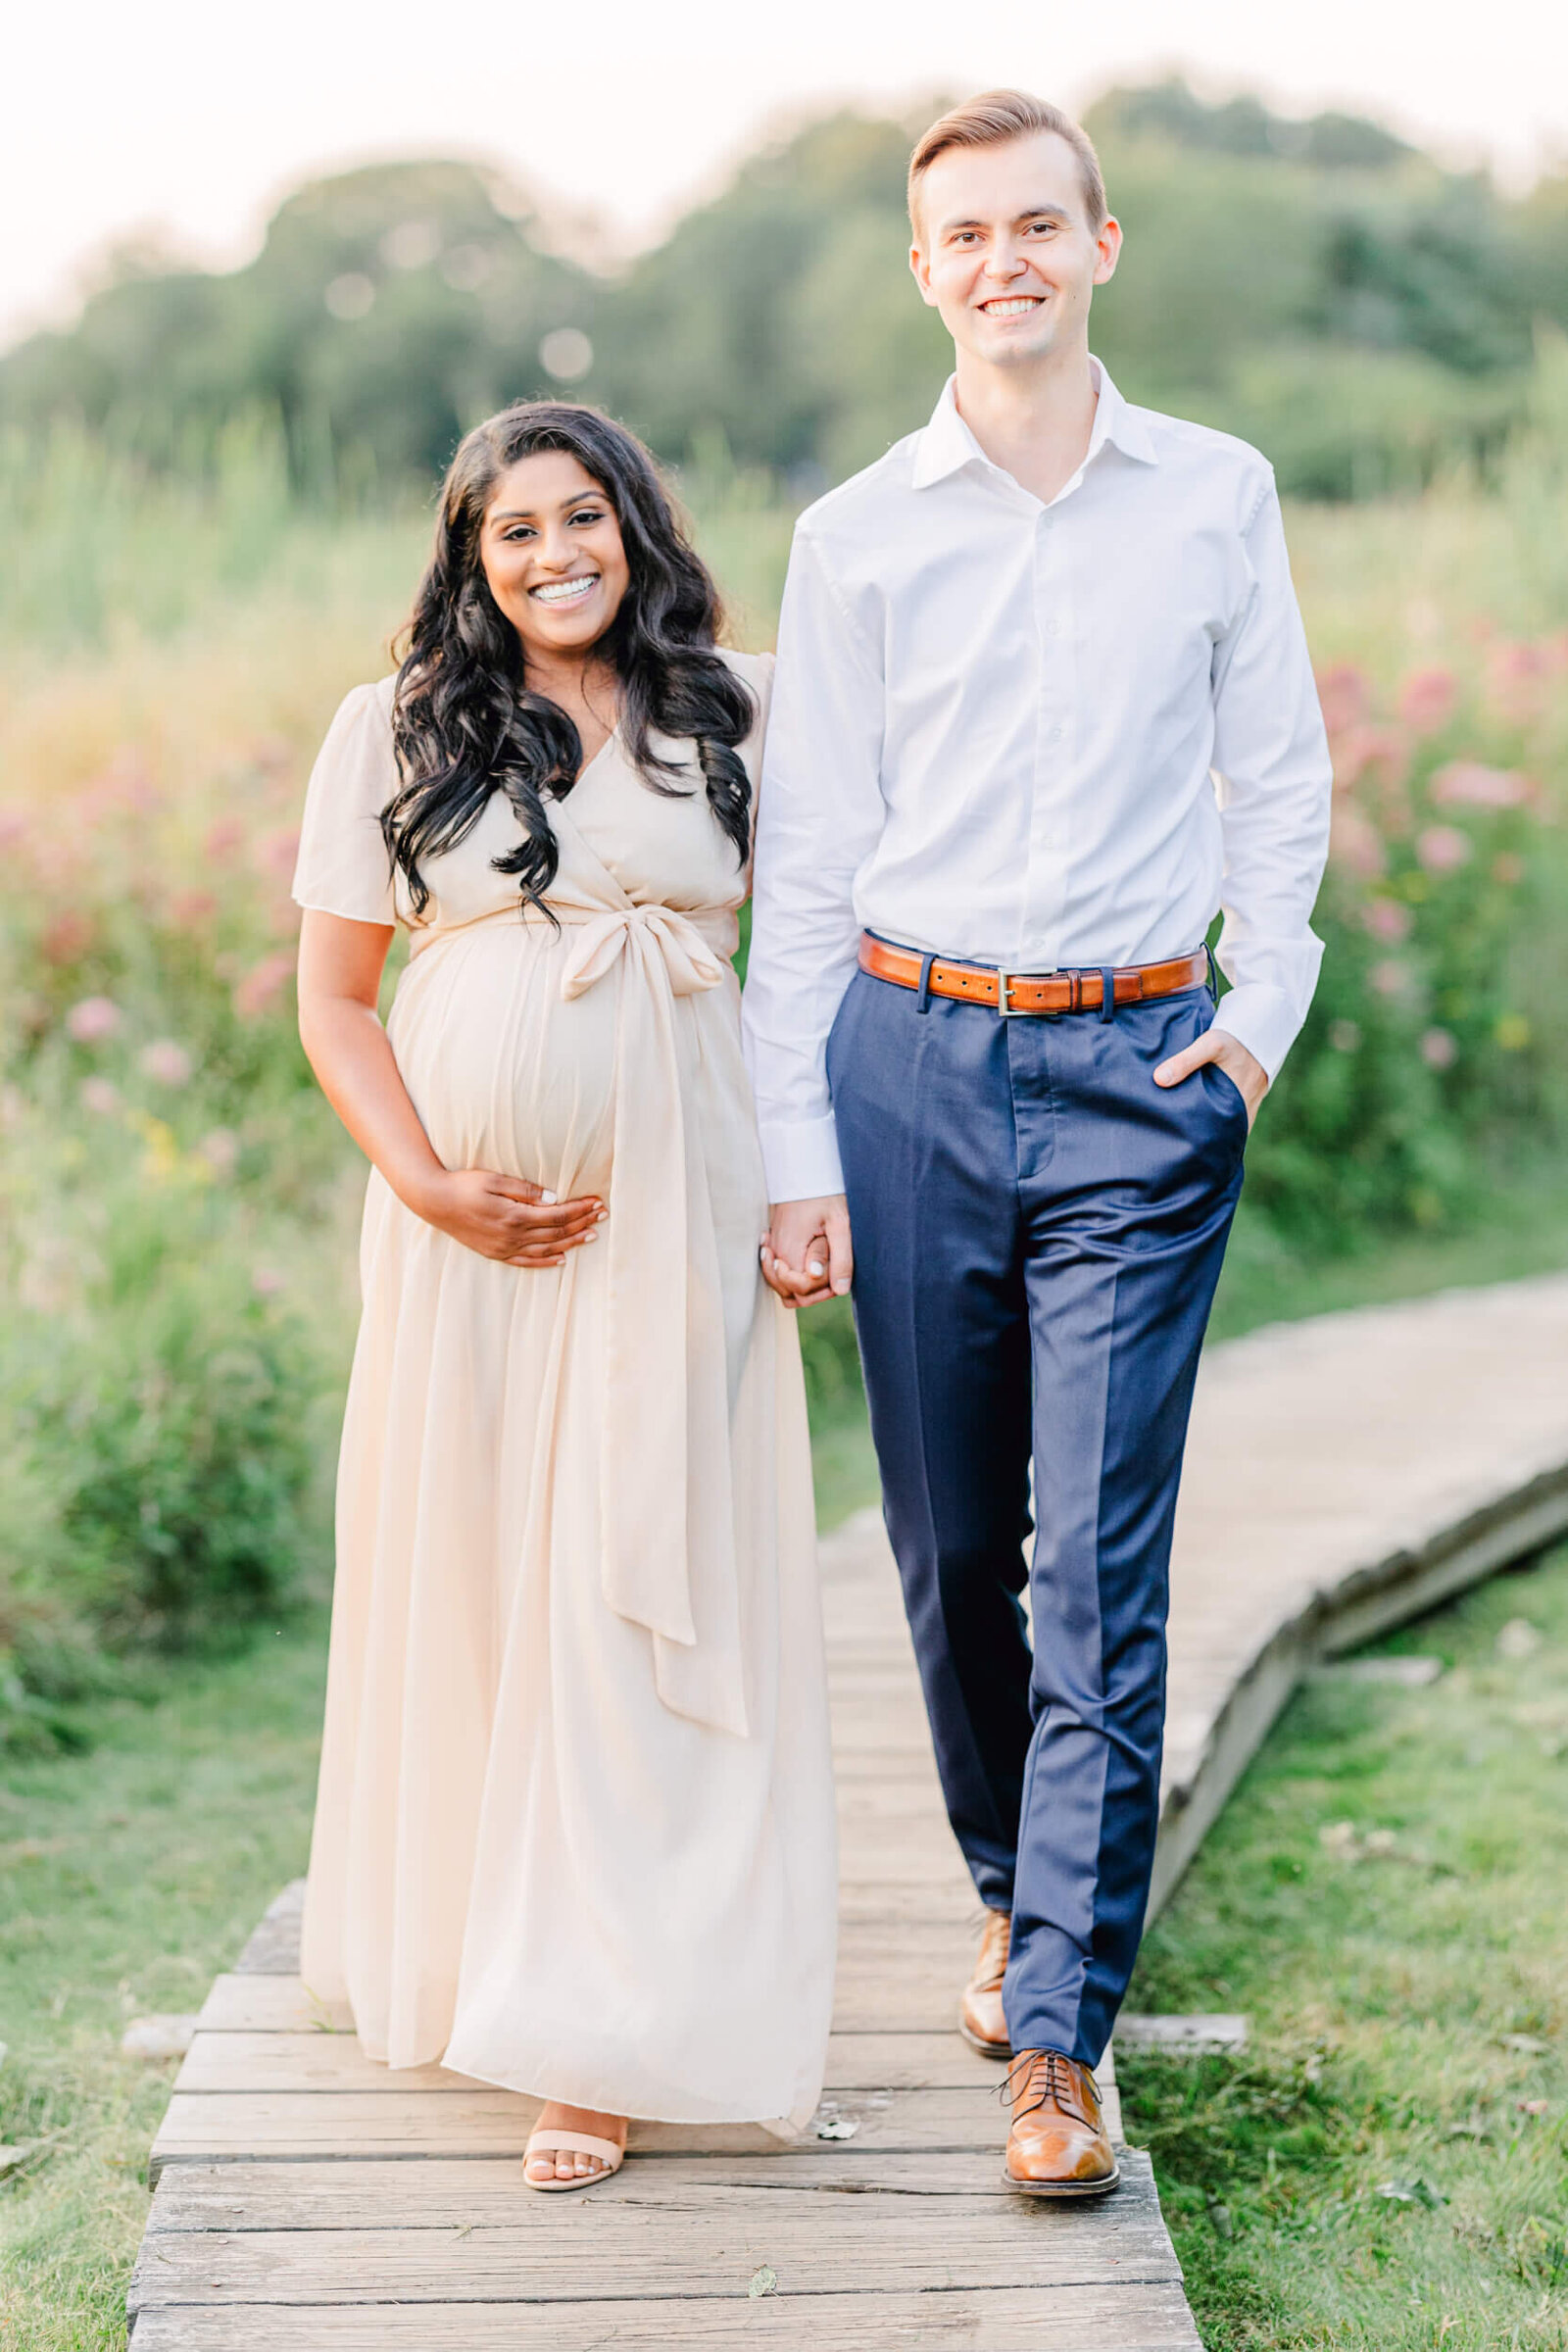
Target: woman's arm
(506, 1217)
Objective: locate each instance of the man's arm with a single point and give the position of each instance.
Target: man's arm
(1271, 759)
(820, 814)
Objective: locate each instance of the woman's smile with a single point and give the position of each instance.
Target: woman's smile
(574, 591)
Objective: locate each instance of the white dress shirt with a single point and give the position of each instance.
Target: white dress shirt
(1036, 736)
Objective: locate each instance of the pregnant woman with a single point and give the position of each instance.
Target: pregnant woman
(575, 1830)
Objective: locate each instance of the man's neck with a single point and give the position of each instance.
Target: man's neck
(1035, 423)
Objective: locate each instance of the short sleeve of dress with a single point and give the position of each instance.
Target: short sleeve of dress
(343, 866)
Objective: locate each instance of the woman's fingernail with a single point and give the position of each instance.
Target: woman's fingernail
(841, 1286)
(550, 1197)
(812, 1267)
(590, 1236)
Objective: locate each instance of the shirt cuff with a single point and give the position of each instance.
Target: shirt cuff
(1263, 1019)
(801, 1158)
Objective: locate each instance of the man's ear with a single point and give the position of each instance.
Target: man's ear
(920, 270)
(1107, 251)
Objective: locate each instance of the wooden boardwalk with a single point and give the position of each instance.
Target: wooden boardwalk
(1343, 1474)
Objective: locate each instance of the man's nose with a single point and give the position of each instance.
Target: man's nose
(1003, 260)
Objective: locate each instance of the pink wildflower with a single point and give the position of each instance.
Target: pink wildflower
(164, 1063)
(100, 1097)
(279, 853)
(1442, 848)
(1342, 693)
(1345, 1036)
(67, 936)
(1392, 978)
(192, 909)
(220, 1148)
(1356, 842)
(1387, 920)
(1467, 784)
(1437, 1049)
(92, 1020)
(1427, 699)
(225, 840)
(266, 1282)
(1508, 867)
(1382, 754)
(262, 983)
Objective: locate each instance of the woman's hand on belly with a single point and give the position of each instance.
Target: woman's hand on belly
(507, 1217)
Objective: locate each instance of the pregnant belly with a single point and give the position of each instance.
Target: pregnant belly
(502, 1073)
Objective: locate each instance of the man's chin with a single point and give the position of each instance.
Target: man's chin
(1014, 351)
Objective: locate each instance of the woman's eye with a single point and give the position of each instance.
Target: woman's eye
(589, 514)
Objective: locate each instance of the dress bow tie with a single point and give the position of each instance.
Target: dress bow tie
(689, 963)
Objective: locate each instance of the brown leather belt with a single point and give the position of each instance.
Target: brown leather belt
(1045, 994)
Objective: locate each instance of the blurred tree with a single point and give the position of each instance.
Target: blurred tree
(1318, 285)
(386, 311)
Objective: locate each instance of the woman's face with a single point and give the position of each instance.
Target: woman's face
(552, 552)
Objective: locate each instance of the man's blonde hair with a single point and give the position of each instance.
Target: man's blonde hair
(992, 118)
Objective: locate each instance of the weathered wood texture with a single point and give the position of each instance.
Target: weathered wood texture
(1342, 1474)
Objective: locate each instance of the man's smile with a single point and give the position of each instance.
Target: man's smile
(1011, 306)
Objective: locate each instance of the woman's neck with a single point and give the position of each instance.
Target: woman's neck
(587, 690)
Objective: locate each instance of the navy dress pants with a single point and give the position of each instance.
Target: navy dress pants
(1038, 1232)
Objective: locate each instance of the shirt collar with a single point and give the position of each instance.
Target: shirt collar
(947, 443)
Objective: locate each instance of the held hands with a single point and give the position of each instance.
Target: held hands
(1243, 1067)
(806, 1252)
(507, 1217)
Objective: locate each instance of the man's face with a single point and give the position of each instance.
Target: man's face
(1004, 249)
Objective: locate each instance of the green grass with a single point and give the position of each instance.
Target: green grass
(1386, 2166)
(129, 1876)
(1524, 1232)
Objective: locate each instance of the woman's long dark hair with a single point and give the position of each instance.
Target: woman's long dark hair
(466, 723)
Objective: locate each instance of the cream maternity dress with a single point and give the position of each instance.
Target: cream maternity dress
(575, 1829)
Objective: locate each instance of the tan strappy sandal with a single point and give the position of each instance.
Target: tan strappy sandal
(575, 2143)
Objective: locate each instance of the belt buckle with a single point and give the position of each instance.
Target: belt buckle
(1020, 1013)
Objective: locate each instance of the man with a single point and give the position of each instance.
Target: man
(1042, 706)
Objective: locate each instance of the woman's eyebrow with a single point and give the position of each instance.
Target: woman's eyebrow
(531, 513)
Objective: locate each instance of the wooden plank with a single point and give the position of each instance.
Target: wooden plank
(449, 2193)
(246, 2061)
(269, 2005)
(497, 2123)
(1125, 2317)
(642, 2236)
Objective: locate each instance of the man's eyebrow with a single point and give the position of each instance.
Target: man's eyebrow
(1031, 211)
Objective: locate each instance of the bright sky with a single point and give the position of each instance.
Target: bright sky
(191, 117)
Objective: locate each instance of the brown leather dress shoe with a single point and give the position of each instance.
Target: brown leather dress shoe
(980, 2018)
(1058, 2146)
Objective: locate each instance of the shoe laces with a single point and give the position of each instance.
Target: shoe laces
(1046, 2076)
